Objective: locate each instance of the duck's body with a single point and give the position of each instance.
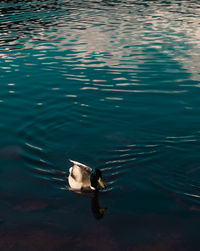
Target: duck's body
(81, 176)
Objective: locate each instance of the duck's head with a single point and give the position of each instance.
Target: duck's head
(96, 178)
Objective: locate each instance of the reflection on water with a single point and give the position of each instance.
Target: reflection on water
(114, 84)
(96, 209)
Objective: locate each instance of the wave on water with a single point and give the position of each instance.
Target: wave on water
(80, 72)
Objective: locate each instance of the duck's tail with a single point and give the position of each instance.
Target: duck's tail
(76, 163)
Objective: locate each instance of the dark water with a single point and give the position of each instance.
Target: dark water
(112, 84)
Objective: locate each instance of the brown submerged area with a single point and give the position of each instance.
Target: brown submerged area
(46, 238)
(151, 232)
(138, 231)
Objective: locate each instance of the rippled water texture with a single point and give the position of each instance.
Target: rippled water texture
(114, 85)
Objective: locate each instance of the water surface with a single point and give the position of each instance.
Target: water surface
(112, 84)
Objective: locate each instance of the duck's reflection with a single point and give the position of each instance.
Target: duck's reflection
(97, 211)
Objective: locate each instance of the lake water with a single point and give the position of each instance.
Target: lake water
(114, 85)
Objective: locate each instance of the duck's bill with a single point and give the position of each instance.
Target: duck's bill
(100, 181)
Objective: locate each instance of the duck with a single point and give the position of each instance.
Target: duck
(82, 177)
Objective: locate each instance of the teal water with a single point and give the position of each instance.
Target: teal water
(114, 85)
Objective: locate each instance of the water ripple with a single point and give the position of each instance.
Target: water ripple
(74, 73)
